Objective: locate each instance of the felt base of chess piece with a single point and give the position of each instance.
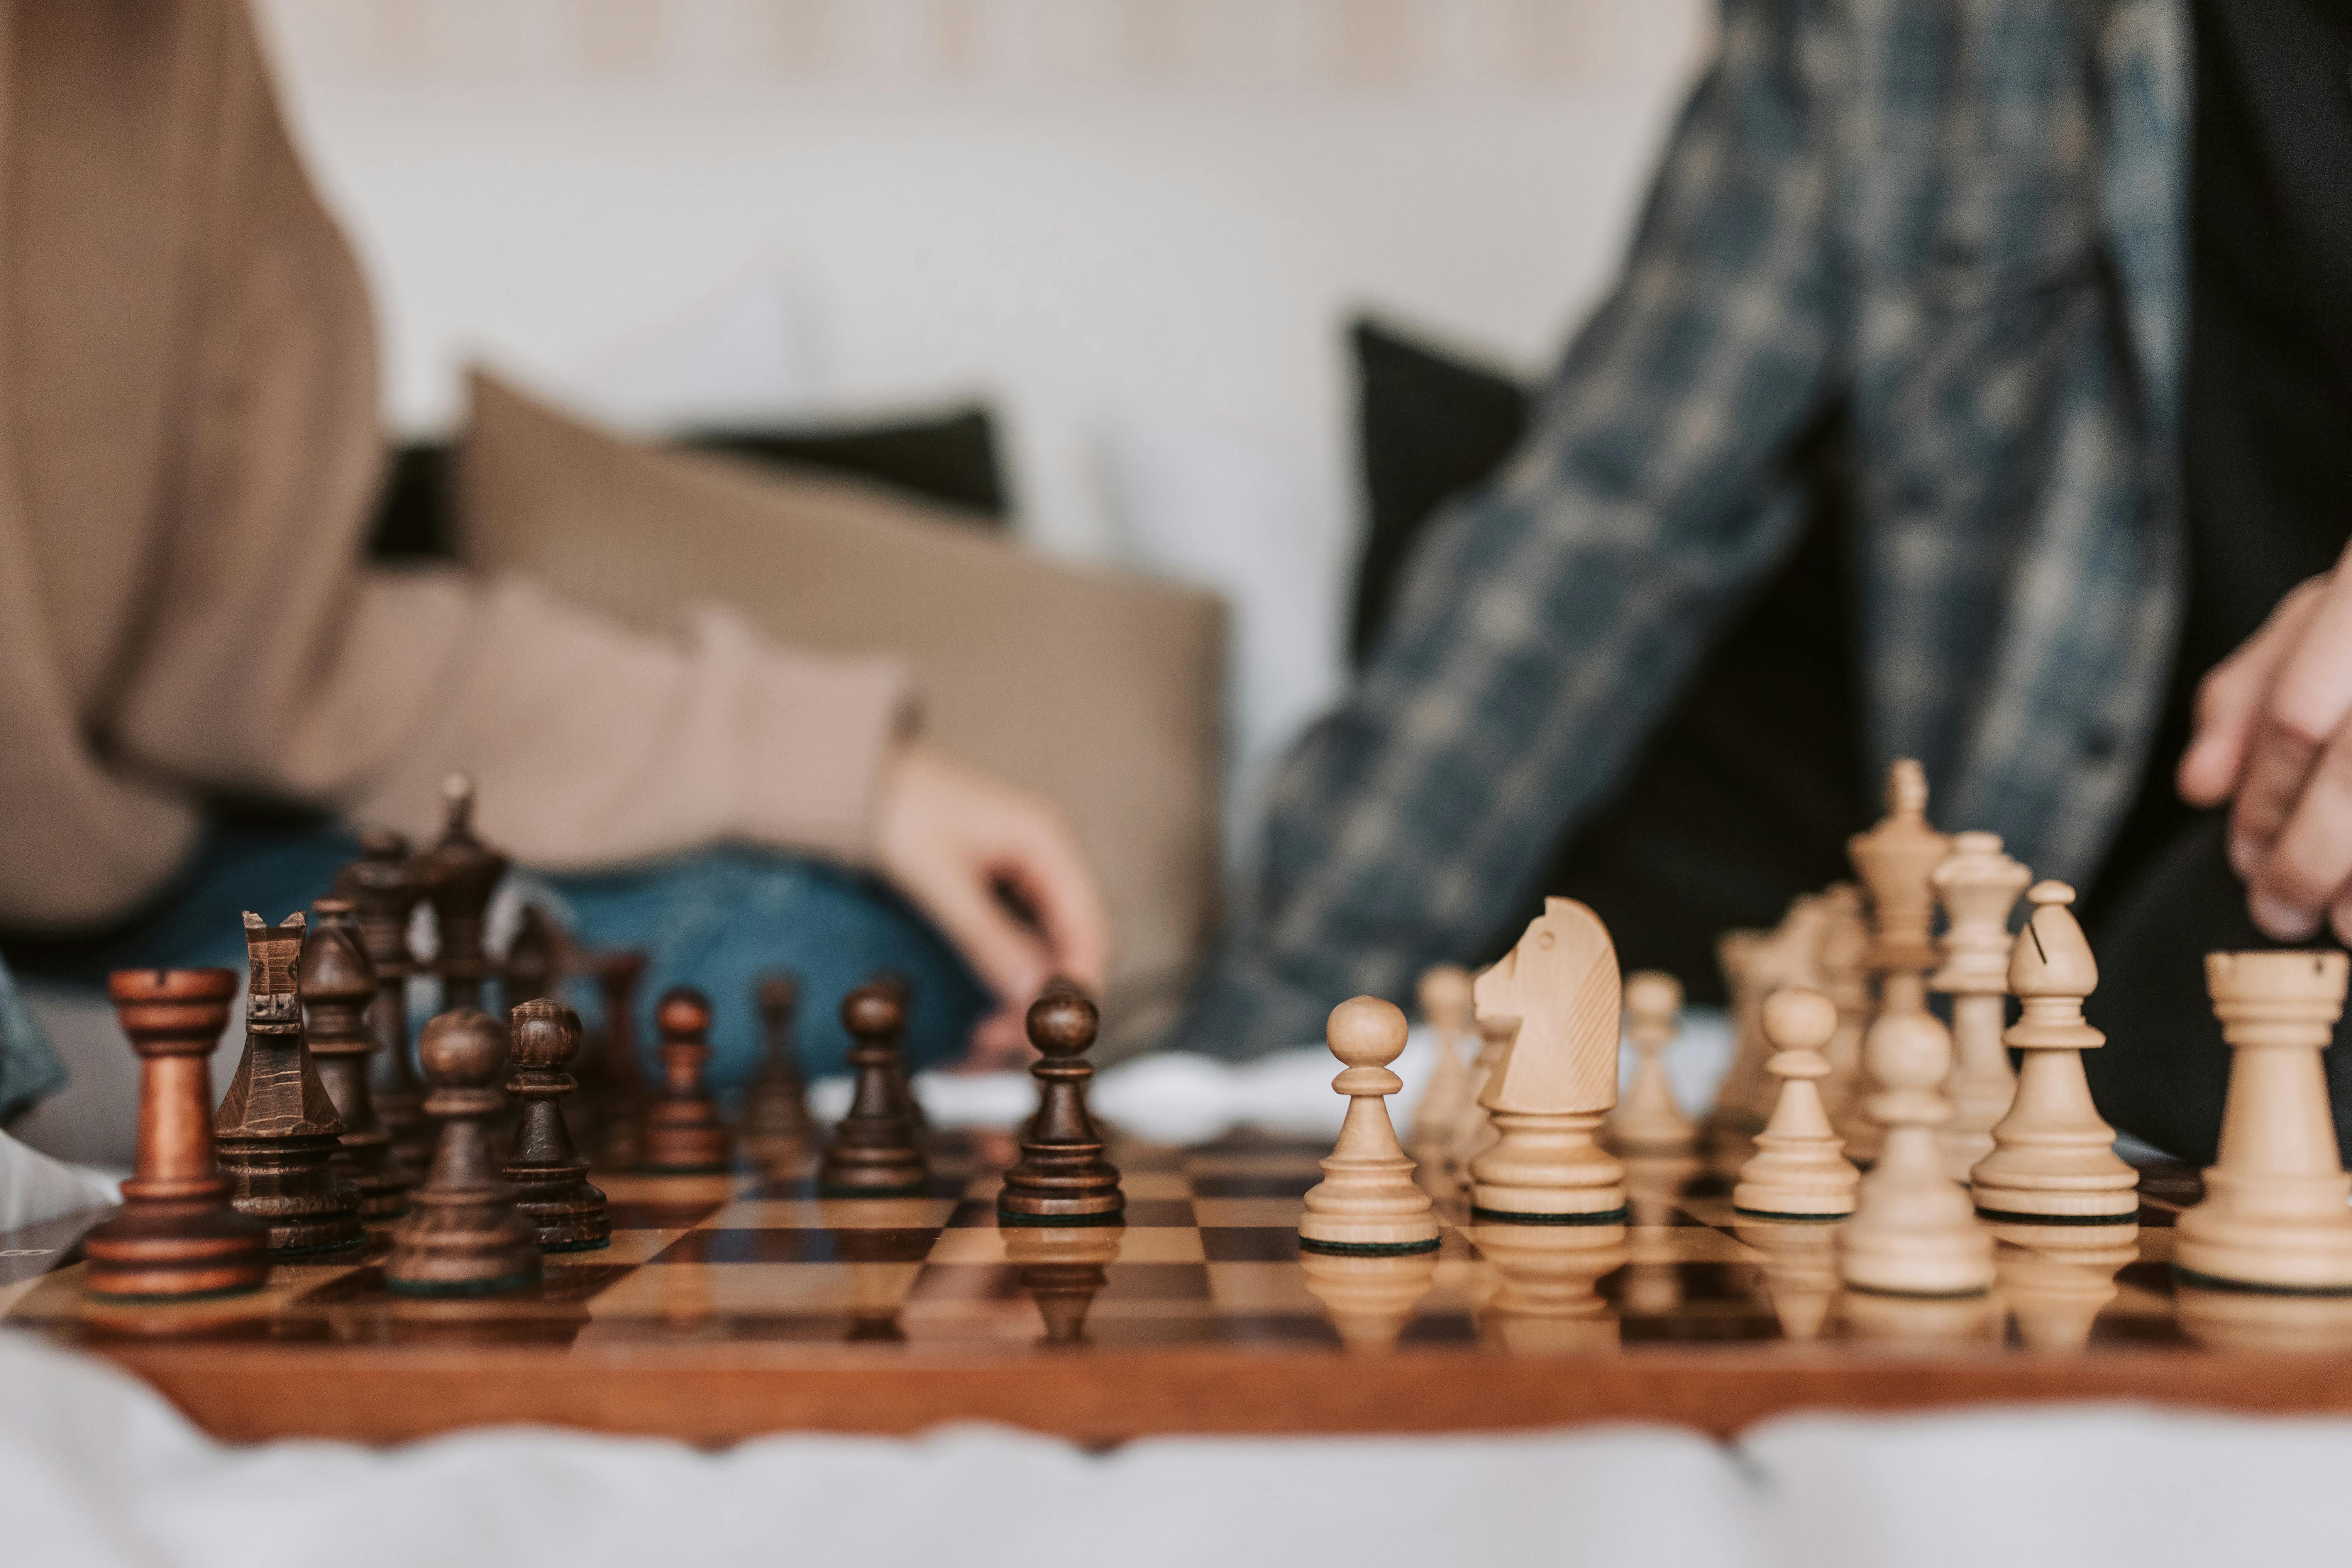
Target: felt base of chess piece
(684, 1135)
(549, 1176)
(1370, 1301)
(1061, 1178)
(1547, 1169)
(175, 1237)
(464, 1236)
(1062, 1269)
(1367, 1205)
(873, 1153)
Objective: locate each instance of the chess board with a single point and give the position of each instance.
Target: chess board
(731, 1306)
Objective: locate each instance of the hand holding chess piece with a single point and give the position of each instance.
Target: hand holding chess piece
(1367, 1203)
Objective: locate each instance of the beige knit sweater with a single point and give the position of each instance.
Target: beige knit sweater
(188, 450)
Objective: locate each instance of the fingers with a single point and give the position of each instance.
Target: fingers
(999, 1041)
(2308, 700)
(1009, 957)
(1044, 861)
(2231, 698)
(2307, 871)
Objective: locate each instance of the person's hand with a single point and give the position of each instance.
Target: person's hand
(955, 840)
(2274, 735)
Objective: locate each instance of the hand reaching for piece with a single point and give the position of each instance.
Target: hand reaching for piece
(950, 837)
(2274, 735)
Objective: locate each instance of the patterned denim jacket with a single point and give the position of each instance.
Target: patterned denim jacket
(1959, 221)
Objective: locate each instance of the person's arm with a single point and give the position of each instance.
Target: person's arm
(2274, 736)
(265, 660)
(1547, 624)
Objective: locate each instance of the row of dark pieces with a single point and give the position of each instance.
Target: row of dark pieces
(296, 1162)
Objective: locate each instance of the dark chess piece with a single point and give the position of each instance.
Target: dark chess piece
(534, 958)
(384, 888)
(176, 1237)
(461, 874)
(550, 1177)
(902, 1080)
(614, 1081)
(336, 989)
(277, 1129)
(466, 1238)
(684, 1136)
(776, 1105)
(874, 1153)
(1062, 1178)
(1063, 1270)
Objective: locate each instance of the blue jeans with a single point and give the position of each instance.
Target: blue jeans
(718, 920)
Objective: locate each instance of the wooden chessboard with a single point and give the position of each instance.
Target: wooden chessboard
(732, 1306)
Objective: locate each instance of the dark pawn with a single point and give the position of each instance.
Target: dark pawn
(874, 1153)
(775, 1106)
(336, 989)
(1062, 1178)
(534, 958)
(684, 1136)
(460, 877)
(465, 1236)
(902, 1078)
(613, 1081)
(276, 1128)
(176, 1236)
(550, 1178)
(384, 888)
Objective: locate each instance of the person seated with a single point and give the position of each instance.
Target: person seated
(1964, 398)
(189, 377)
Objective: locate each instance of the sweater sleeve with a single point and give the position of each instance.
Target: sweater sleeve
(267, 660)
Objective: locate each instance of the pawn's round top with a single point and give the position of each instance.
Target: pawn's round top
(1796, 1019)
(462, 1049)
(683, 1010)
(2050, 891)
(1062, 1022)
(1367, 1031)
(1975, 841)
(170, 986)
(546, 1034)
(875, 1008)
(1653, 994)
(1908, 1050)
(778, 992)
(332, 967)
(1444, 995)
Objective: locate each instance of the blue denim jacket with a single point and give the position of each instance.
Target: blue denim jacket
(1960, 224)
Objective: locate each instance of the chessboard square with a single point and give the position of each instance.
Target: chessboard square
(1150, 1185)
(634, 1215)
(1253, 1288)
(1259, 1185)
(1160, 1213)
(1690, 1243)
(831, 1214)
(687, 1292)
(1134, 1244)
(1251, 1244)
(799, 1247)
(1122, 1281)
(1221, 1212)
(637, 1245)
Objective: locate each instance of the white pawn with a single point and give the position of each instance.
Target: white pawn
(1473, 1129)
(1445, 1007)
(1913, 1232)
(1647, 1120)
(1798, 1171)
(1977, 885)
(2273, 1217)
(2053, 1160)
(1367, 1205)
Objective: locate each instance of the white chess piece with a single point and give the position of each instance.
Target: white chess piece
(1647, 1120)
(1913, 1232)
(1367, 1205)
(1979, 885)
(1800, 1171)
(2273, 1217)
(1445, 1008)
(2053, 1160)
(1557, 1079)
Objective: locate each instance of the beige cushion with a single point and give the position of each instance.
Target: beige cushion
(1099, 689)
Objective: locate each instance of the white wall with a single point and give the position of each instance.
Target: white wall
(1136, 219)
